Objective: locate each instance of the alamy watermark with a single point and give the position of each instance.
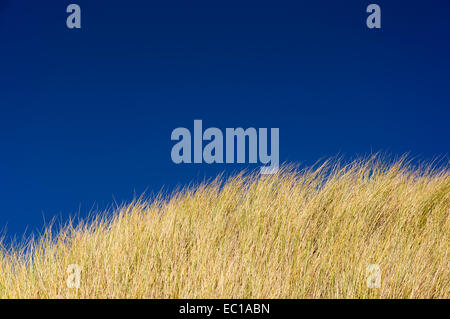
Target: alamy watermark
(236, 140)
(373, 276)
(373, 21)
(73, 20)
(74, 278)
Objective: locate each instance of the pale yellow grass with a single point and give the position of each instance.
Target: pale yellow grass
(297, 234)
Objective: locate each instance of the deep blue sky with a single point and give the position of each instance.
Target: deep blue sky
(86, 115)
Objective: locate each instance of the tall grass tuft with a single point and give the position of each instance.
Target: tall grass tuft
(307, 233)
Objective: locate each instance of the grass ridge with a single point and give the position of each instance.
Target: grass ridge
(307, 233)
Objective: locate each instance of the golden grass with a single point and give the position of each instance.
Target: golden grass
(297, 234)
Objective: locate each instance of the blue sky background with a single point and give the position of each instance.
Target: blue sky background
(86, 115)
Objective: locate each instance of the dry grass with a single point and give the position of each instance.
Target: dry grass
(296, 234)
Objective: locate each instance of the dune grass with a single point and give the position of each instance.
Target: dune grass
(307, 233)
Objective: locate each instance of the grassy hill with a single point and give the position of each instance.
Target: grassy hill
(308, 233)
